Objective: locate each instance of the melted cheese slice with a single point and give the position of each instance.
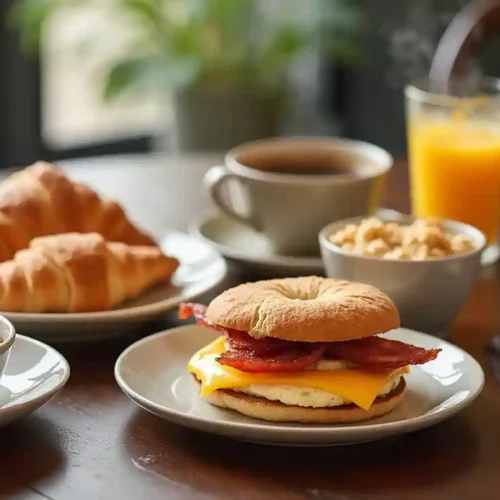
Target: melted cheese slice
(359, 385)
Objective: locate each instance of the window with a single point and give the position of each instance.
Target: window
(73, 112)
(51, 104)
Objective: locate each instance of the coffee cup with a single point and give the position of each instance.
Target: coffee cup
(289, 188)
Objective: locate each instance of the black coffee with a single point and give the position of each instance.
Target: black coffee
(299, 161)
(312, 170)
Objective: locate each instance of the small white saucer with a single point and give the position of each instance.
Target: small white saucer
(35, 373)
(249, 251)
(153, 373)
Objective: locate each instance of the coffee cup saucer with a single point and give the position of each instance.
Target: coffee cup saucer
(249, 252)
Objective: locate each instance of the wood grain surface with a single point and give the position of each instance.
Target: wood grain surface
(91, 442)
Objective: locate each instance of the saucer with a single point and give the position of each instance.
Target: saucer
(249, 251)
(153, 373)
(35, 373)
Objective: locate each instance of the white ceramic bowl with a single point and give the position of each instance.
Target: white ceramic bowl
(428, 294)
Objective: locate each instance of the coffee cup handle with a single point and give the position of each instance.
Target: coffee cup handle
(214, 181)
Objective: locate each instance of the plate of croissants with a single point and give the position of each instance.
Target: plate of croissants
(74, 267)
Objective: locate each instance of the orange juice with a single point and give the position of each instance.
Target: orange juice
(455, 171)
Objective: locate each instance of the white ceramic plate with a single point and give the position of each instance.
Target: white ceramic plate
(35, 374)
(250, 252)
(152, 372)
(201, 270)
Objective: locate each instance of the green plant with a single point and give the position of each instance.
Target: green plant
(342, 25)
(213, 43)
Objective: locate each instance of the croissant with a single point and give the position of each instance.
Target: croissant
(40, 200)
(79, 273)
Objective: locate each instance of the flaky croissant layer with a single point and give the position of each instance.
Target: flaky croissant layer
(76, 272)
(40, 200)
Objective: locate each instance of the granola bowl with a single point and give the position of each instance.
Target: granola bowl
(428, 285)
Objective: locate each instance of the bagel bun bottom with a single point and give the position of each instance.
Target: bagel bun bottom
(273, 411)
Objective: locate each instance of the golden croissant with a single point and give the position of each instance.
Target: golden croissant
(40, 200)
(79, 273)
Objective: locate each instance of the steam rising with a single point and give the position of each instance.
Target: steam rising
(413, 39)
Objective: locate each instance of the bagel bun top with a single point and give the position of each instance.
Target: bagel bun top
(306, 309)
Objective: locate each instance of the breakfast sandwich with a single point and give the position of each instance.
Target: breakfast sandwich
(303, 350)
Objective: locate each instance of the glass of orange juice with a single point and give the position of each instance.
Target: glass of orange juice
(454, 156)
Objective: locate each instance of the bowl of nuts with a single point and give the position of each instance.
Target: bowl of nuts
(427, 266)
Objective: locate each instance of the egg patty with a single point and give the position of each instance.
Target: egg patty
(310, 397)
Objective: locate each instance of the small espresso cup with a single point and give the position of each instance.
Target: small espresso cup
(289, 188)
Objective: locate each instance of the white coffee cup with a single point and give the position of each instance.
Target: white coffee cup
(288, 189)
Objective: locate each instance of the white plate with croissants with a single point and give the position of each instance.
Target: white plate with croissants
(79, 269)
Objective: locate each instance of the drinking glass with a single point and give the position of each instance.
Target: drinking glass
(454, 155)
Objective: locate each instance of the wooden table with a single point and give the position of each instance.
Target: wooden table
(91, 442)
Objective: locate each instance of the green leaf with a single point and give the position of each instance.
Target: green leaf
(122, 76)
(149, 19)
(286, 43)
(146, 9)
(184, 40)
(220, 11)
(30, 16)
(150, 74)
(342, 25)
(224, 42)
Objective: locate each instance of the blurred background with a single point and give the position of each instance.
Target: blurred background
(96, 77)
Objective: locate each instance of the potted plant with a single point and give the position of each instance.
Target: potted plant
(225, 62)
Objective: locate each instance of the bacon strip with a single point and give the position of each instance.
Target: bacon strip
(241, 341)
(237, 339)
(292, 360)
(187, 309)
(276, 355)
(266, 355)
(377, 352)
